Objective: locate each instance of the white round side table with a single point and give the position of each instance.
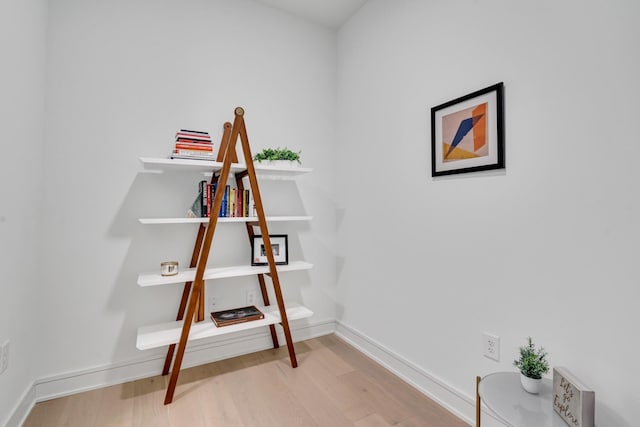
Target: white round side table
(503, 394)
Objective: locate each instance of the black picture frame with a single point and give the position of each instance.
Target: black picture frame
(279, 246)
(467, 133)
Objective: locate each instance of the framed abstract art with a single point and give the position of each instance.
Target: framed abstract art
(467, 133)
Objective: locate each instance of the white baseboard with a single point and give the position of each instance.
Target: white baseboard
(22, 409)
(103, 376)
(455, 401)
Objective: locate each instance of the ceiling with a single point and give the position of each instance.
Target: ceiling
(330, 13)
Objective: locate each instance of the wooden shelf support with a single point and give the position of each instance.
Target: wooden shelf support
(193, 299)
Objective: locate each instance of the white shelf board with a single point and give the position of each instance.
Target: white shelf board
(169, 333)
(221, 219)
(189, 274)
(166, 165)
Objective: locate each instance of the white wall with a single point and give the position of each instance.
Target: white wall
(22, 43)
(545, 248)
(123, 77)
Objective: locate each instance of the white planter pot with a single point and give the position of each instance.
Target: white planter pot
(280, 163)
(531, 385)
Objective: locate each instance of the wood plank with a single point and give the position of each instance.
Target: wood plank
(334, 385)
(47, 413)
(148, 409)
(384, 401)
(116, 406)
(410, 397)
(335, 390)
(373, 420)
(324, 412)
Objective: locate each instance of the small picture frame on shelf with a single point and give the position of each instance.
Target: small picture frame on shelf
(279, 246)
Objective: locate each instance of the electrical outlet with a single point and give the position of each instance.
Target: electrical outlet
(4, 356)
(251, 297)
(491, 346)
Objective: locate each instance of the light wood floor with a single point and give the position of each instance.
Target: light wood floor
(334, 385)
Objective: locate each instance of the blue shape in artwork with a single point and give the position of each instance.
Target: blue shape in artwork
(465, 126)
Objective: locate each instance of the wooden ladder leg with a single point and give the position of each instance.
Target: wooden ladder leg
(185, 296)
(265, 299)
(478, 408)
(201, 266)
(253, 182)
(224, 142)
(182, 344)
(194, 259)
(263, 287)
(283, 315)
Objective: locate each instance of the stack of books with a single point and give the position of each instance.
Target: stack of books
(193, 144)
(236, 315)
(236, 203)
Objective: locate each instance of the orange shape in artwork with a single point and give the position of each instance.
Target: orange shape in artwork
(480, 127)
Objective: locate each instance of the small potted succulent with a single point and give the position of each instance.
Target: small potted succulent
(275, 156)
(532, 364)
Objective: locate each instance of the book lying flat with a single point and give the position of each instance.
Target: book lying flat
(192, 157)
(193, 146)
(236, 315)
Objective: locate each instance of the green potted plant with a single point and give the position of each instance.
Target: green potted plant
(532, 364)
(270, 155)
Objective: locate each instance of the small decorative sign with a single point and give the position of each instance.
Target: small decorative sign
(574, 402)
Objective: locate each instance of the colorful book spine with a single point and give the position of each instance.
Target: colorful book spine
(209, 199)
(202, 186)
(204, 154)
(187, 156)
(193, 141)
(196, 147)
(235, 203)
(197, 132)
(193, 135)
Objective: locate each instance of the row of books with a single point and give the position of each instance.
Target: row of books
(193, 144)
(235, 202)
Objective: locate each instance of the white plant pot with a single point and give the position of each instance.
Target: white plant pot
(280, 163)
(531, 385)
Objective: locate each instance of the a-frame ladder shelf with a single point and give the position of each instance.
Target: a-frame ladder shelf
(188, 275)
(191, 322)
(169, 333)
